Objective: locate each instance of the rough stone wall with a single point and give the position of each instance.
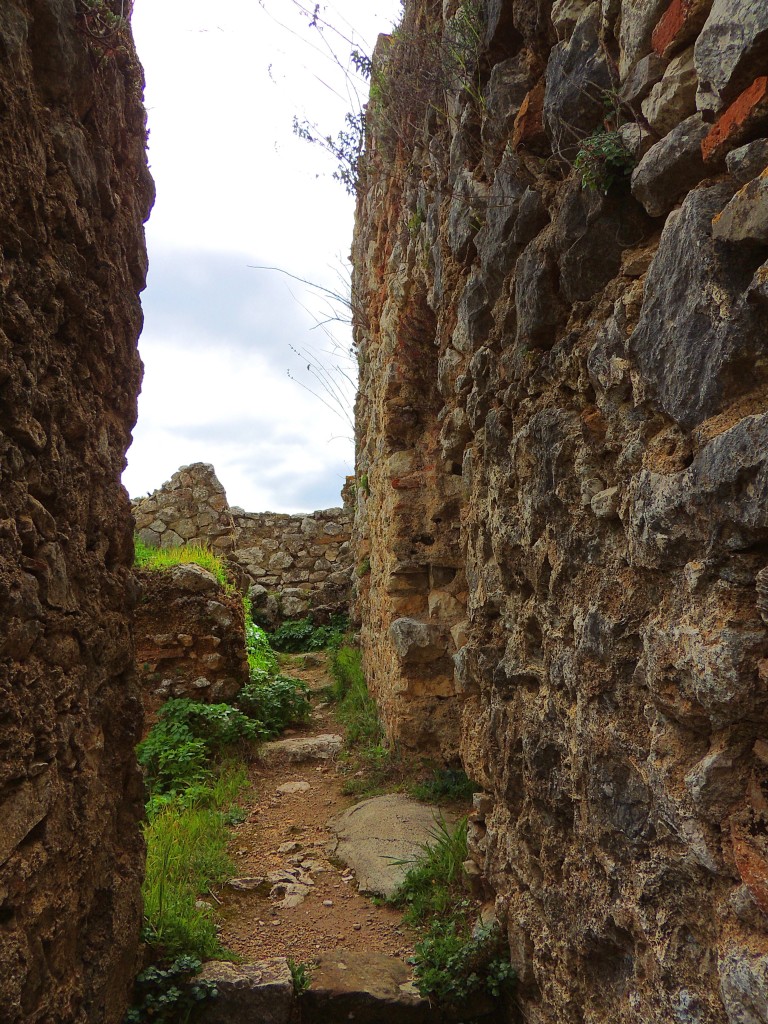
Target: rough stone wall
(563, 433)
(190, 637)
(294, 564)
(74, 191)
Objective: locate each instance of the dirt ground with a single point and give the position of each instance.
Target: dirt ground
(334, 914)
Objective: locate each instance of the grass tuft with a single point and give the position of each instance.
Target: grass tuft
(147, 557)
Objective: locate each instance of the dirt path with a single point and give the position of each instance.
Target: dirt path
(281, 832)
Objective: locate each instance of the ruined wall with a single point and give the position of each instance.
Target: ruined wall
(295, 564)
(74, 191)
(190, 637)
(563, 431)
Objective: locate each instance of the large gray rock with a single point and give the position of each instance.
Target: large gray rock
(745, 218)
(688, 350)
(260, 993)
(671, 167)
(673, 99)
(638, 20)
(642, 78)
(380, 837)
(731, 51)
(577, 75)
(746, 162)
(369, 988)
(303, 748)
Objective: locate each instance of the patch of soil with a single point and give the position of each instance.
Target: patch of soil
(333, 914)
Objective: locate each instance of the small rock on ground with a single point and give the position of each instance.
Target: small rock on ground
(308, 748)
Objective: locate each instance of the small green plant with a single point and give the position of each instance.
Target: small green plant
(602, 160)
(451, 964)
(168, 995)
(147, 557)
(261, 657)
(188, 736)
(364, 567)
(415, 221)
(445, 784)
(275, 702)
(433, 884)
(364, 485)
(302, 976)
(302, 635)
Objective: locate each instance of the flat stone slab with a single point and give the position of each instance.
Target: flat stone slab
(368, 988)
(260, 993)
(309, 748)
(377, 833)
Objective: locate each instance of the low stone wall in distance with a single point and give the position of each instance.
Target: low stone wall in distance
(190, 637)
(292, 565)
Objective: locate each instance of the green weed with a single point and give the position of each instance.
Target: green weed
(302, 976)
(433, 885)
(602, 160)
(451, 963)
(444, 785)
(303, 635)
(275, 702)
(168, 995)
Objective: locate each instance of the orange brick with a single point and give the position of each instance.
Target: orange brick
(679, 25)
(529, 123)
(740, 122)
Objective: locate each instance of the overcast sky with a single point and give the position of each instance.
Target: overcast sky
(236, 189)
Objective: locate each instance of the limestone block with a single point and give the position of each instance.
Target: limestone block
(680, 24)
(417, 643)
(260, 993)
(746, 162)
(671, 167)
(673, 99)
(744, 985)
(745, 119)
(565, 14)
(730, 52)
(745, 218)
(638, 20)
(642, 78)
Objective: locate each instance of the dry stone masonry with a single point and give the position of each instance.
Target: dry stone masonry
(293, 564)
(563, 478)
(74, 191)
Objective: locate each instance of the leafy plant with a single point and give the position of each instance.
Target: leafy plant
(148, 557)
(302, 635)
(302, 976)
(602, 160)
(176, 754)
(261, 657)
(168, 995)
(364, 567)
(275, 702)
(451, 964)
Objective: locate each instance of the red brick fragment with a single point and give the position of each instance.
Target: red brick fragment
(529, 123)
(740, 123)
(679, 25)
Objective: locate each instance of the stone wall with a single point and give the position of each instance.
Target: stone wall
(563, 438)
(74, 191)
(293, 564)
(190, 637)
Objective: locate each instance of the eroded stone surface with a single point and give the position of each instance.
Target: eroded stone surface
(260, 993)
(74, 191)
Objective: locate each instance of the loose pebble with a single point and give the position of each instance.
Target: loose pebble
(327, 903)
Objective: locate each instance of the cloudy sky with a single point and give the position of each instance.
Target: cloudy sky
(236, 190)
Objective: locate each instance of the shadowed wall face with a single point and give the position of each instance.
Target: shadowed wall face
(74, 193)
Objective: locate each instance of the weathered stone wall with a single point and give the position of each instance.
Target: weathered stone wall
(74, 191)
(563, 433)
(295, 564)
(190, 637)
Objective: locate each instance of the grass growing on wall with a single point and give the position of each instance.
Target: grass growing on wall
(147, 557)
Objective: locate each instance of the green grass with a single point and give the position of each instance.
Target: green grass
(147, 557)
(452, 960)
(302, 635)
(444, 785)
(433, 885)
(186, 854)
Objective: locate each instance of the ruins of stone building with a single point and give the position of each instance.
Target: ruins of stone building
(292, 565)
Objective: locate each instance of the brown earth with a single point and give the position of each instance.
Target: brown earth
(252, 926)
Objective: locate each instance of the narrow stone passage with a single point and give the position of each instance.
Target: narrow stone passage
(283, 849)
